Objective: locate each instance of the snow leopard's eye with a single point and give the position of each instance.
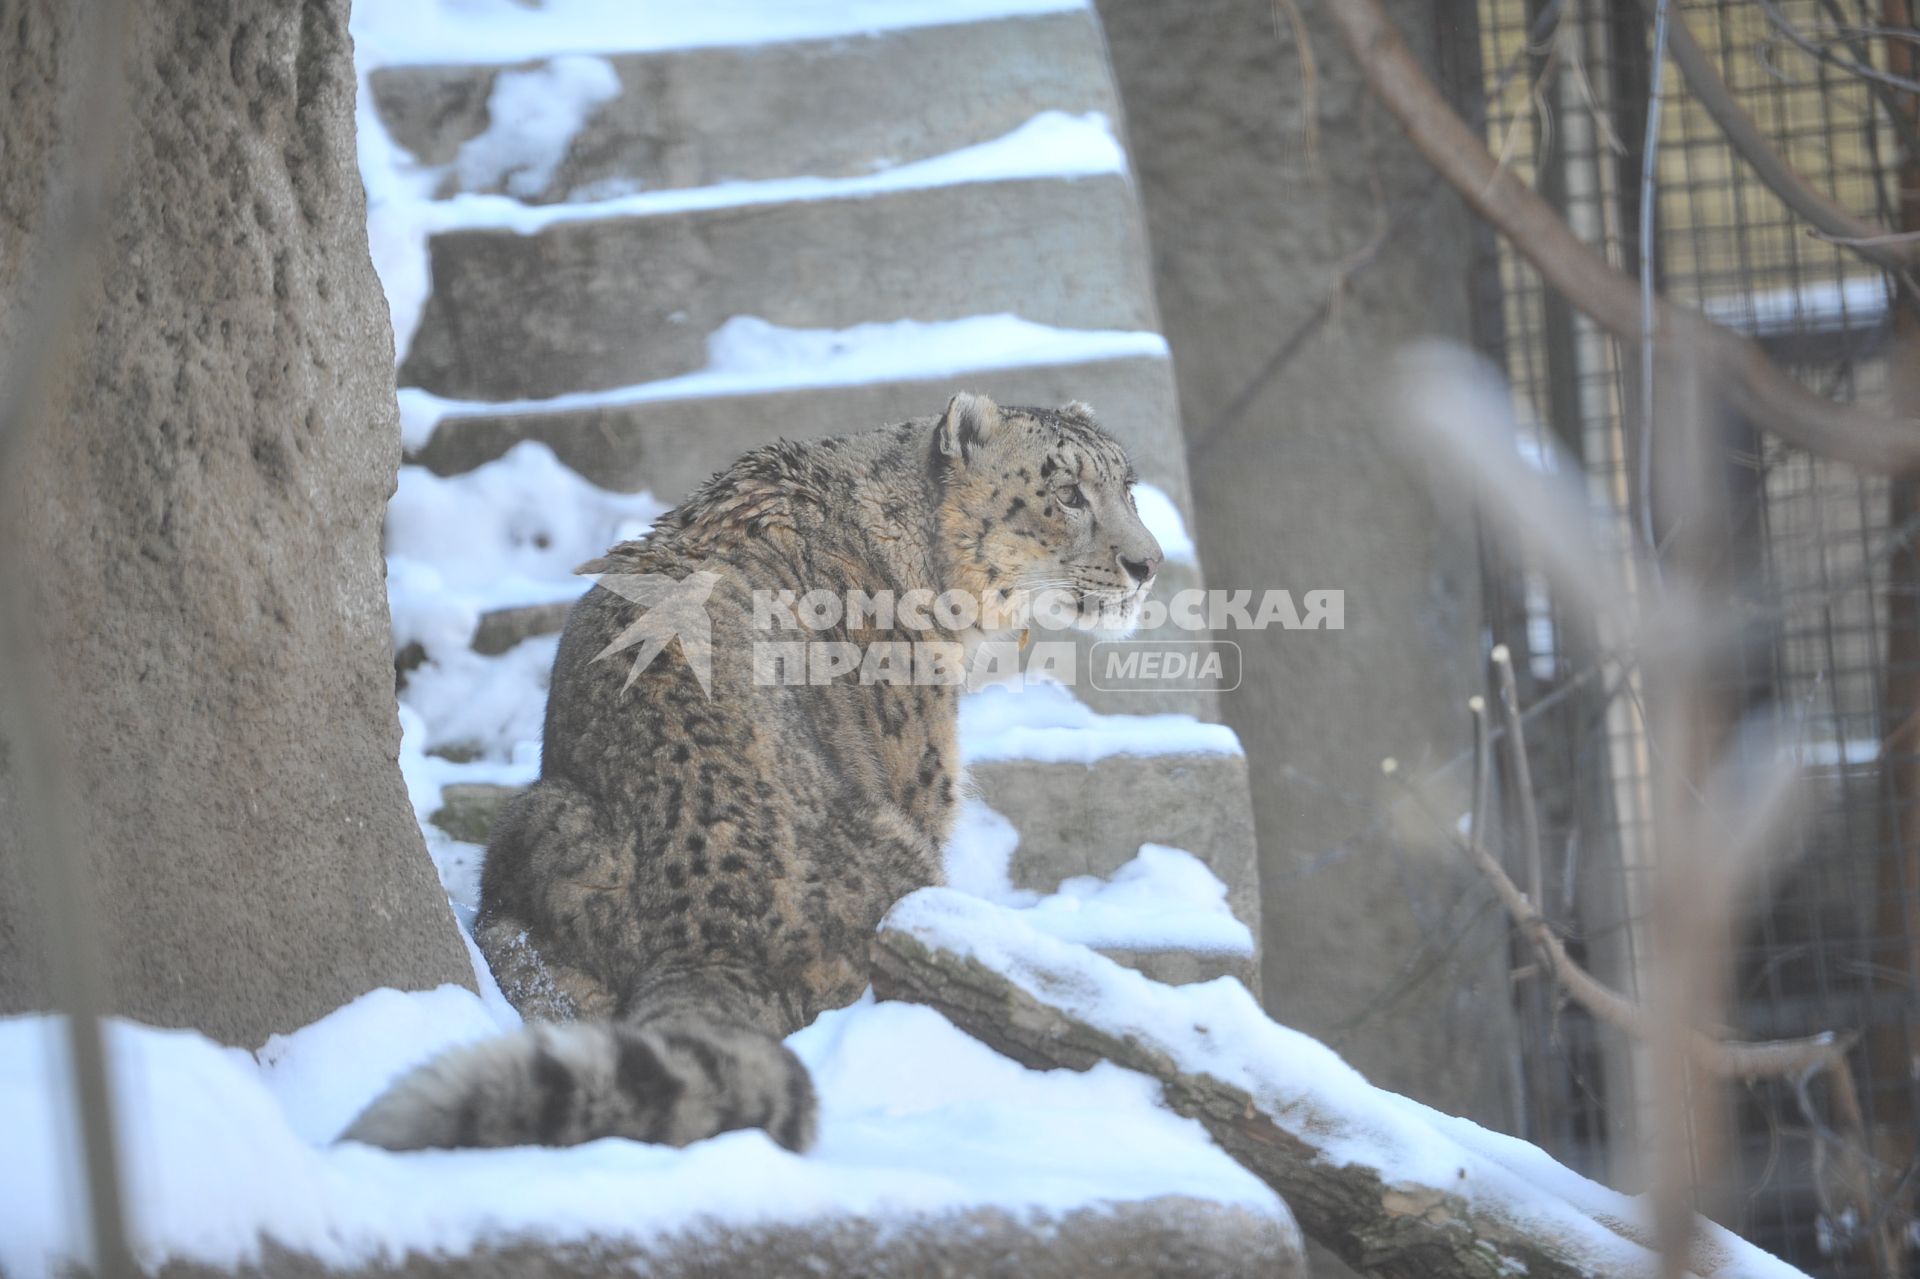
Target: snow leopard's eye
(1072, 498)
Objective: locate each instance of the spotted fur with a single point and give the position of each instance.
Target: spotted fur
(701, 875)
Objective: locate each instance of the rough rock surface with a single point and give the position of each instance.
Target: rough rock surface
(201, 517)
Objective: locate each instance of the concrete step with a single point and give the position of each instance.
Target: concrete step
(1166, 1237)
(591, 304)
(502, 628)
(1090, 819)
(827, 108)
(667, 446)
(1073, 819)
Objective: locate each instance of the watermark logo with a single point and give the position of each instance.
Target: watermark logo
(674, 610)
(1158, 666)
(918, 637)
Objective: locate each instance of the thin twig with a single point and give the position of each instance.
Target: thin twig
(1649, 202)
(1309, 83)
(1865, 70)
(1866, 241)
(1522, 771)
(1722, 1058)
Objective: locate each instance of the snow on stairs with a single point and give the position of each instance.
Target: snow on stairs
(690, 251)
(603, 302)
(697, 117)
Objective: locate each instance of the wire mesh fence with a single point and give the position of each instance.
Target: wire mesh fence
(1822, 558)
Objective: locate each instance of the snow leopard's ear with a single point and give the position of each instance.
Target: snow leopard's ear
(1079, 411)
(969, 420)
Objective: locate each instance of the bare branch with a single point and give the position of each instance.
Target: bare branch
(1521, 769)
(1750, 381)
(1722, 1058)
(1806, 44)
(1827, 219)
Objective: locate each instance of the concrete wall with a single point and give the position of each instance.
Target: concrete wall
(1378, 938)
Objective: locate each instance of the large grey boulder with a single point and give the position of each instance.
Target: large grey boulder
(200, 521)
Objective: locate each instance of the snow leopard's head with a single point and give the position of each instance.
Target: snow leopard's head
(1040, 501)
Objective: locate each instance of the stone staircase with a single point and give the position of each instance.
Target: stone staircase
(831, 189)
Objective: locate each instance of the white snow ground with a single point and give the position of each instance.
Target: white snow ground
(224, 1149)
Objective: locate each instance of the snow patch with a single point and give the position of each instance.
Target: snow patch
(1162, 518)
(979, 855)
(323, 1074)
(1163, 899)
(221, 1152)
(533, 116)
(399, 188)
(524, 515)
(1047, 723)
(490, 708)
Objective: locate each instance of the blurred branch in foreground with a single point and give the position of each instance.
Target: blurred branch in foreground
(1725, 793)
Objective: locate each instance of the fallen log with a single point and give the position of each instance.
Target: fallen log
(1392, 1187)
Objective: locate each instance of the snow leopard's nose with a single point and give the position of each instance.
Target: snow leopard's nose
(1140, 570)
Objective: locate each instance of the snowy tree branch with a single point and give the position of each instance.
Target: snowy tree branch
(1391, 1187)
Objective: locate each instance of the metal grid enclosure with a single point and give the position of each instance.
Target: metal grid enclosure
(1823, 556)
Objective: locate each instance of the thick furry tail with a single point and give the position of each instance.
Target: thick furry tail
(560, 1084)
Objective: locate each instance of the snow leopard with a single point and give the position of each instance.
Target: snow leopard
(702, 863)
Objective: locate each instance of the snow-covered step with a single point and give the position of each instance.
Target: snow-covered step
(760, 383)
(501, 629)
(581, 126)
(614, 301)
(1083, 791)
(936, 1156)
(1090, 818)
